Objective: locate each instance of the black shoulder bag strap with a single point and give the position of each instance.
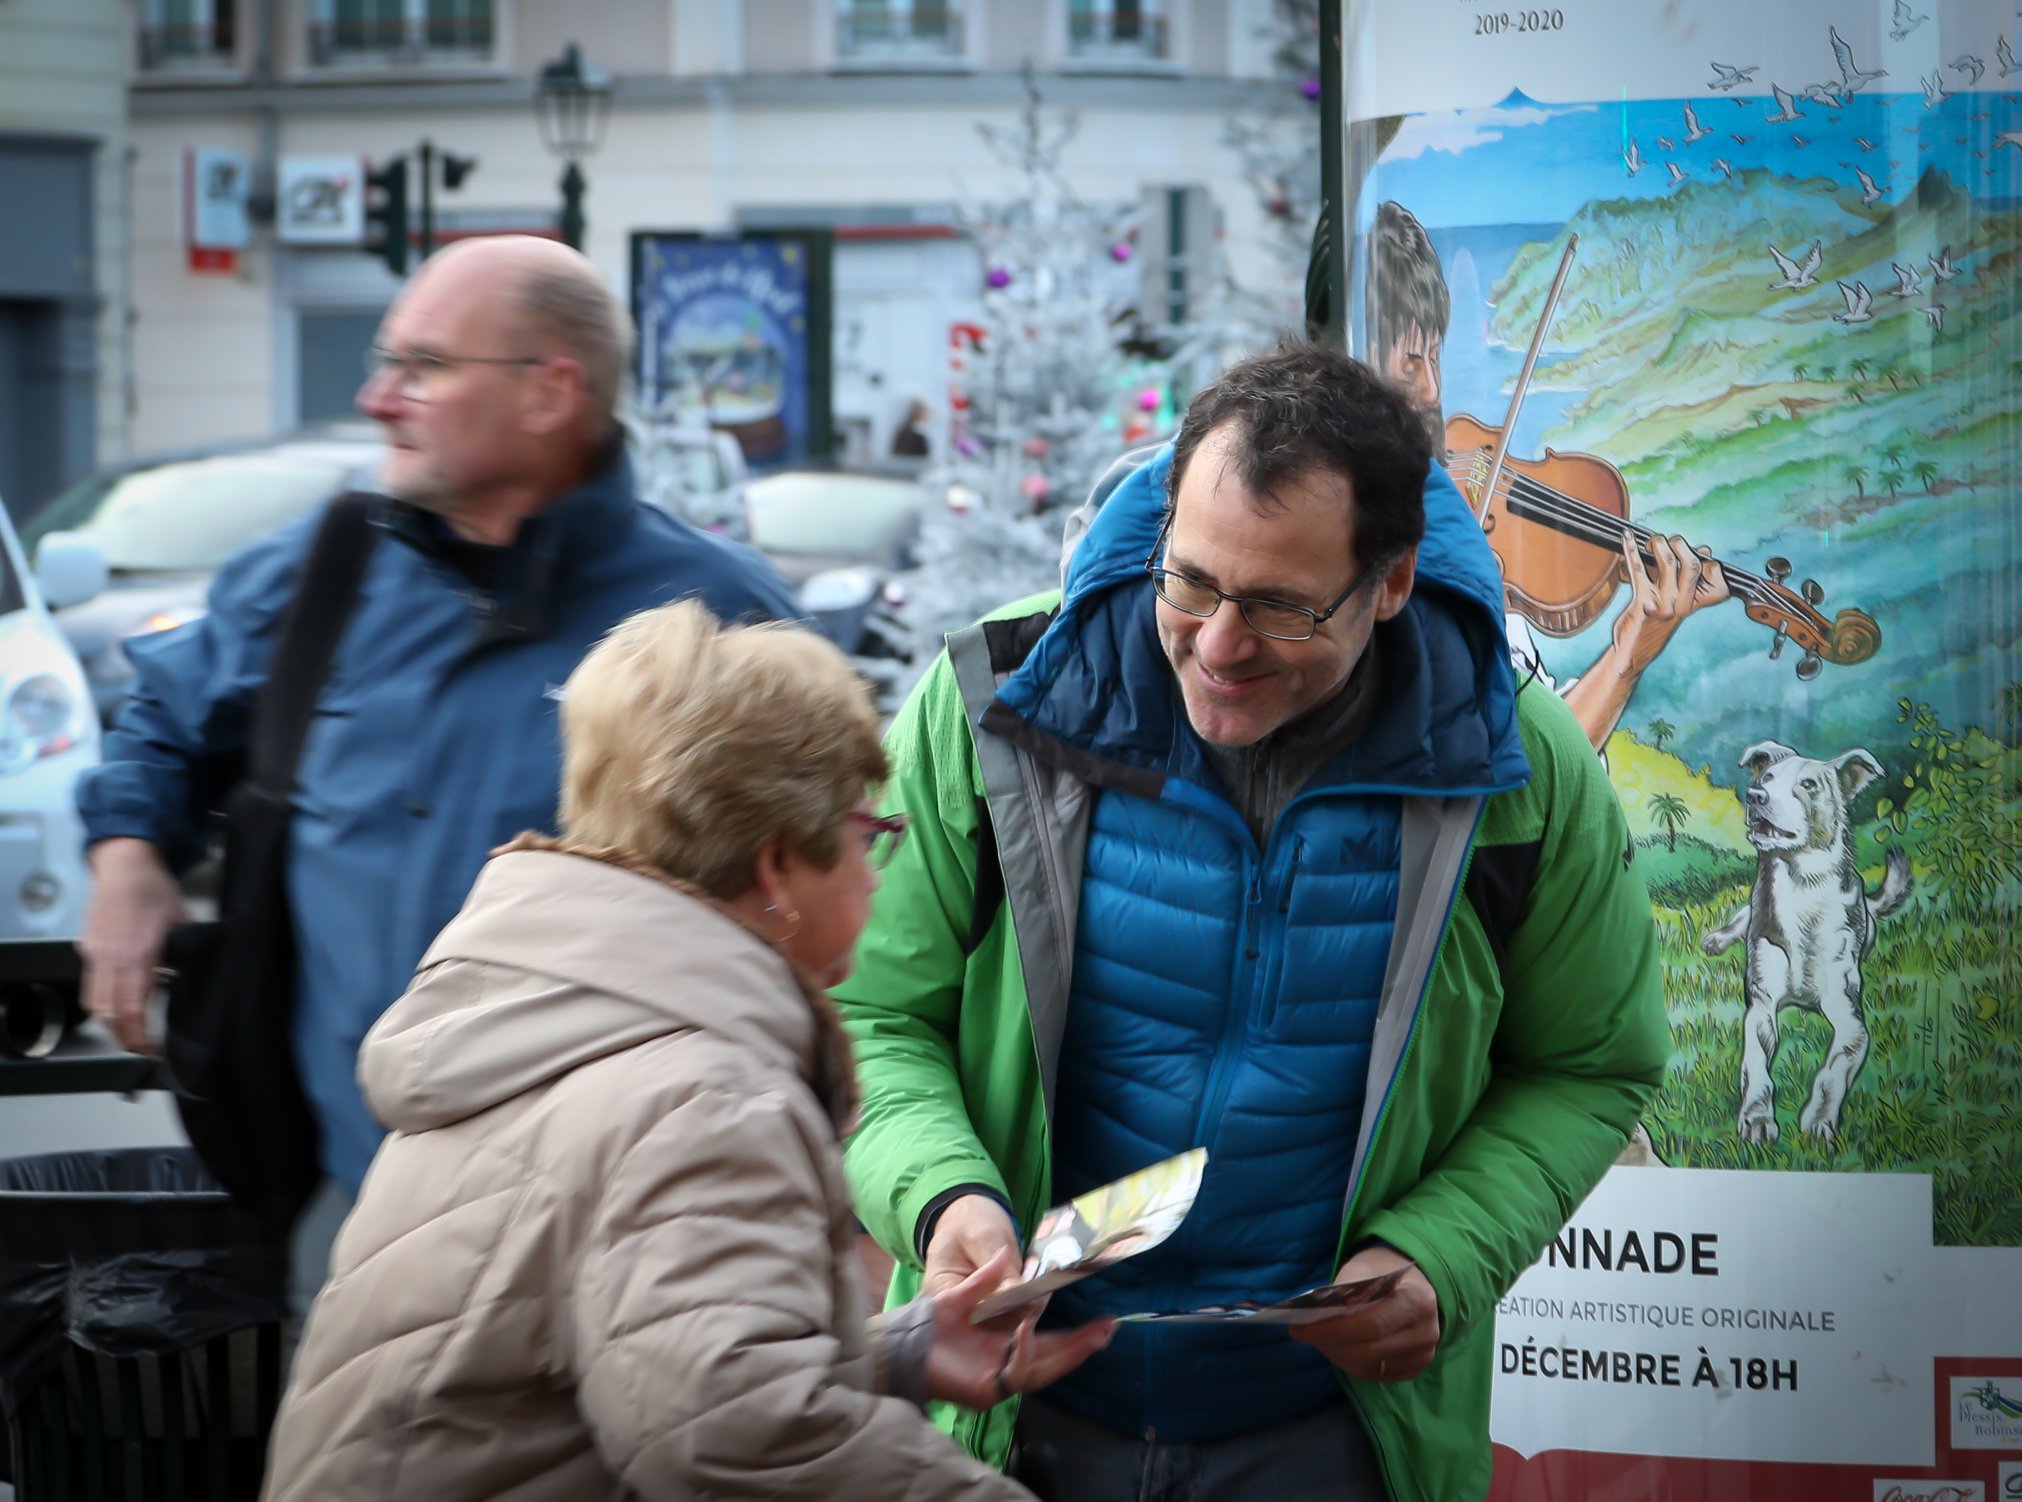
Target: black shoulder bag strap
(231, 1015)
(308, 642)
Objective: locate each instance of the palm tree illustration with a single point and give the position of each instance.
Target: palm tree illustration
(1671, 811)
(1926, 471)
(1661, 730)
(1859, 475)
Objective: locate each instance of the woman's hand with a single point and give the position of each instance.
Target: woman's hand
(980, 1366)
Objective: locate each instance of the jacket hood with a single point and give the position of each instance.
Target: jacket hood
(1096, 689)
(558, 959)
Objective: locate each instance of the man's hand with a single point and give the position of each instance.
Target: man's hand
(970, 1232)
(980, 1366)
(1390, 1341)
(134, 902)
(1680, 581)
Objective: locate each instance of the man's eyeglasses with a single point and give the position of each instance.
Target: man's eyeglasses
(414, 372)
(887, 833)
(1278, 619)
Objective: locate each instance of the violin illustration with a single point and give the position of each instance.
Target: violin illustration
(1556, 524)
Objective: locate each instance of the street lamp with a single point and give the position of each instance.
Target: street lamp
(570, 98)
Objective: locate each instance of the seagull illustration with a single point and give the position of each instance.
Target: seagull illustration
(1851, 76)
(1935, 91)
(1857, 301)
(1936, 313)
(2005, 56)
(1666, 143)
(1677, 173)
(1864, 143)
(1787, 109)
(1633, 159)
(1738, 138)
(1822, 93)
(1724, 167)
(1971, 66)
(1941, 265)
(1905, 22)
(1693, 129)
(1798, 141)
(1869, 192)
(2009, 138)
(1796, 277)
(1726, 77)
(1909, 280)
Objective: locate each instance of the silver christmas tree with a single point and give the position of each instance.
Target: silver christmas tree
(1279, 150)
(1058, 376)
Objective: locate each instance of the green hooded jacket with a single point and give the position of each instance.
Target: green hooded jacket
(1521, 1047)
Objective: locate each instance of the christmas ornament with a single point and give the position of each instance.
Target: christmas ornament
(1035, 447)
(998, 277)
(1309, 88)
(1121, 251)
(1148, 399)
(1034, 487)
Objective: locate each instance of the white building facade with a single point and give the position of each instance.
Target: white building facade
(856, 117)
(64, 195)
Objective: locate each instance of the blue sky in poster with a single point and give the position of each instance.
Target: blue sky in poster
(1563, 145)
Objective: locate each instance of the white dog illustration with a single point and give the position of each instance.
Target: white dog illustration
(1809, 923)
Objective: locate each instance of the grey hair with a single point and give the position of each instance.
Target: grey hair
(578, 312)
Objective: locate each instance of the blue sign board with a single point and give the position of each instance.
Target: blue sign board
(735, 331)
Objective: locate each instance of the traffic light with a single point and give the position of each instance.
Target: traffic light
(386, 214)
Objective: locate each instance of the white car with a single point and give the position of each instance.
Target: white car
(48, 735)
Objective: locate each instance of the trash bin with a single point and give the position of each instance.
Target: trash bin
(140, 1329)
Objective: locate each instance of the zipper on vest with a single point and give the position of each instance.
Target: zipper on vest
(1292, 875)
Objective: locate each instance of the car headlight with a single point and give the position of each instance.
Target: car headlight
(44, 715)
(838, 589)
(166, 620)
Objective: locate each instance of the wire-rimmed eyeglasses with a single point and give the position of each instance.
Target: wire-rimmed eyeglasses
(1280, 620)
(414, 371)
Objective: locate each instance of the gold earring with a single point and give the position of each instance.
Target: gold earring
(792, 917)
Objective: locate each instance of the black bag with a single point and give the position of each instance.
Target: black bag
(230, 1046)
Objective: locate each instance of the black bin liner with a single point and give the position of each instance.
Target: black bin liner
(140, 1316)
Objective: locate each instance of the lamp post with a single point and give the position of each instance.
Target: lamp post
(570, 99)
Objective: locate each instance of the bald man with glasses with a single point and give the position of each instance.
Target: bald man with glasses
(507, 540)
(1248, 840)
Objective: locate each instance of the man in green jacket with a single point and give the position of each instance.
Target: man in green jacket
(1248, 841)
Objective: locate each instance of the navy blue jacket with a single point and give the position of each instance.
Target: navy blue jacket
(435, 737)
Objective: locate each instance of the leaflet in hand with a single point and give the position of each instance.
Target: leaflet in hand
(1102, 1227)
(1324, 1302)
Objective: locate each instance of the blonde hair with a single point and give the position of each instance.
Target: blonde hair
(690, 744)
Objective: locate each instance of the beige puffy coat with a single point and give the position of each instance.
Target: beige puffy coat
(606, 1250)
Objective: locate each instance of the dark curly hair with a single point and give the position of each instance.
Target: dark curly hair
(1306, 408)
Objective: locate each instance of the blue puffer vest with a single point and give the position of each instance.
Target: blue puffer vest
(1225, 996)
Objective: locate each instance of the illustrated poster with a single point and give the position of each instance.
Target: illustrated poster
(732, 331)
(1757, 519)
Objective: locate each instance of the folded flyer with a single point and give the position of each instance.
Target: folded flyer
(1324, 1302)
(1102, 1227)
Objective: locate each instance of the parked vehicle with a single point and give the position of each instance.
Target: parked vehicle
(49, 734)
(696, 473)
(839, 539)
(146, 537)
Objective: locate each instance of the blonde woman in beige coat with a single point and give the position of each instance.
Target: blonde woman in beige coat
(606, 1250)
